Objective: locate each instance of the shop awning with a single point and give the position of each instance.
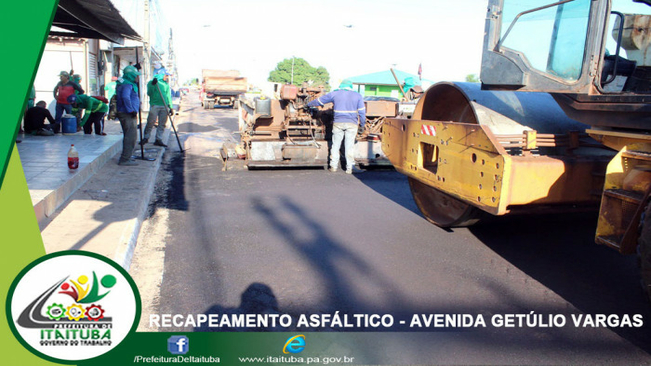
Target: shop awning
(93, 19)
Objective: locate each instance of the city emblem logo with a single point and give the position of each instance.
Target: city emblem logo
(72, 306)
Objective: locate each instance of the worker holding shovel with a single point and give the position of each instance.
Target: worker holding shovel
(160, 100)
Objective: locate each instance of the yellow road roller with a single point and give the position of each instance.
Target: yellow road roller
(561, 121)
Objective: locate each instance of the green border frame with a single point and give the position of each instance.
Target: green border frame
(40, 260)
(20, 88)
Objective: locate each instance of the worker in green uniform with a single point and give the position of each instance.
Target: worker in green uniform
(76, 78)
(110, 88)
(94, 111)
(160, 104)
(31, 98)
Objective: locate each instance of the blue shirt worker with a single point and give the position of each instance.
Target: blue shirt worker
(349, 115)
(128, 105)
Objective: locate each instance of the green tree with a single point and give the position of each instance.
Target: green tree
(472, 78)
(303, 72)
(191, 82)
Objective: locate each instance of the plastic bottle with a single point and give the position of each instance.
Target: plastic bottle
(73, 157)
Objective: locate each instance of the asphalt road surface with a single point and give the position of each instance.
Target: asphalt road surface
(313, 242)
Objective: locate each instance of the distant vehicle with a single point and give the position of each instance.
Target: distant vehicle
(176, 100)
(384, 99)
(221, 88)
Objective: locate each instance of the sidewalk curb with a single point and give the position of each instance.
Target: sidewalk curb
(49, 205)
(126, 244)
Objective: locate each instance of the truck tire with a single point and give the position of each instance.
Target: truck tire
(644, 250)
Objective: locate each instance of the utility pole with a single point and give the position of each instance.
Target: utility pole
(171, 62)
(146, 54)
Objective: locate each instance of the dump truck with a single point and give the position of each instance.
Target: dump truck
(282, 133)
(561, 121)
(221, 88)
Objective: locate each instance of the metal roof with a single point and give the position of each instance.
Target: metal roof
(384, 78)
(94, 19)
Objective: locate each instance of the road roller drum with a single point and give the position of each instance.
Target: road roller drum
(468, 151)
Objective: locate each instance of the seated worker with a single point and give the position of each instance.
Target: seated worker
(35, 120)
(95, 110)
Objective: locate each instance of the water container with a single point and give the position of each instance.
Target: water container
(69, 125)
(73, 157)
(263, 107)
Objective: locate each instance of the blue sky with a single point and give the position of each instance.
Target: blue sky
(252, 36)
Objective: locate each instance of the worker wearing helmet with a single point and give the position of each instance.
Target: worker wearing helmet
(412, 91)
(349, 115)
(128, 105)
(160, 102)
(94, 111)
(110, 88)
(76, 111)
(61, 92)
(76, 78)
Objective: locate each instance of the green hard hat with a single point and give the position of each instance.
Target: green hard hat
(346, 84)
(130, 70)
(409, 83)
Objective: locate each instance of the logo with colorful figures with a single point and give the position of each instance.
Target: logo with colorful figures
(72, 306)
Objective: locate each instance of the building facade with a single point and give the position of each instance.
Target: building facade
(383, 83)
